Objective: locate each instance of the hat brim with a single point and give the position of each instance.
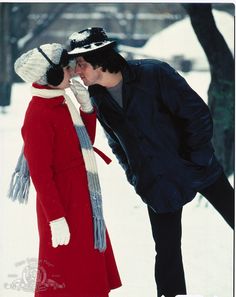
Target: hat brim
(93, 47)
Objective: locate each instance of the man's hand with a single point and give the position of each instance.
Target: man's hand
(81, 95)
(60, 232)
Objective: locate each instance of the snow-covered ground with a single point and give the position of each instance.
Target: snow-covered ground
(207, 240)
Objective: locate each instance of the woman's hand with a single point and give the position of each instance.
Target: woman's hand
(60, 232)
(82, 96)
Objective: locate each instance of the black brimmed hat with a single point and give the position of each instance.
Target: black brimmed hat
(89, 40)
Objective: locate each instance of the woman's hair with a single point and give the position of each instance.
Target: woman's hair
(108, 59)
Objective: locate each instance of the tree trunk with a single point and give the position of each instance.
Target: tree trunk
(221, 89)
(5, 60)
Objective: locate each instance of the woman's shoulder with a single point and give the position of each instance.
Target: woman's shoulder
(45, 105)
(37, 112)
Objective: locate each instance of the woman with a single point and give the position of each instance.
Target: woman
(75, 254)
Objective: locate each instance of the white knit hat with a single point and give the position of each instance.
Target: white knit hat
(32, 65)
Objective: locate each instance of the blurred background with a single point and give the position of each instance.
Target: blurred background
(195, 38)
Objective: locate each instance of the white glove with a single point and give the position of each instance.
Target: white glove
(81, 95)
(60, 232)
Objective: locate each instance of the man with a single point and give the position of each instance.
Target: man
(160, 131)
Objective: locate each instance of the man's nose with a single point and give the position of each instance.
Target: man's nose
(78, 69)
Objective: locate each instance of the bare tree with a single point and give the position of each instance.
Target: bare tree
(16, 35)
(221, 89)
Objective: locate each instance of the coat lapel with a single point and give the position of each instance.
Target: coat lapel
(101, 95)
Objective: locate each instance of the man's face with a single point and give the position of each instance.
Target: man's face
(86, 72)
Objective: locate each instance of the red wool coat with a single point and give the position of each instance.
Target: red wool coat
(57, 169)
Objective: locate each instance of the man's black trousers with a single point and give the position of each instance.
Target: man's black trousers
(166, 230)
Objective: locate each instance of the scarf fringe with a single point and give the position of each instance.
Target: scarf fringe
(99, 234)
(20, 181)
(19, 188)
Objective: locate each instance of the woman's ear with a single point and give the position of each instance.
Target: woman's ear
(55, 75)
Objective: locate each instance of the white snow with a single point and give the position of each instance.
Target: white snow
(22, 41)
(79, 36)
(180, 38)
(179, 41)
(207, 240)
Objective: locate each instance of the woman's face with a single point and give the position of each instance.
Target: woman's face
(68, 73)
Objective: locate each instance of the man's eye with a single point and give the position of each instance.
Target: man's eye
(81, 65)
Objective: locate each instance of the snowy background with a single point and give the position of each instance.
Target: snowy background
(207, 240)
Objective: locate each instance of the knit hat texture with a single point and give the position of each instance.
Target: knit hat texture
(32, 65)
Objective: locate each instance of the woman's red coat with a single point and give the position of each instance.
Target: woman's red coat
(57, 169)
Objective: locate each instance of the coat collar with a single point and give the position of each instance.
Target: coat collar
(38, 86)
(101, 95)
(47, 95)
(128, 75)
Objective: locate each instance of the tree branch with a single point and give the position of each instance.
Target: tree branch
(55, 12)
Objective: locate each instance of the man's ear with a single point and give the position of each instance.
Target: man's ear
(96, 67)
(101, 68)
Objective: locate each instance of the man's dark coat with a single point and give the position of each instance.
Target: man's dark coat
(161, 136)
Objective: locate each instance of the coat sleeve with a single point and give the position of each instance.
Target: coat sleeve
(118, 151)
(89, 120)
(38, 138)
(185, 104)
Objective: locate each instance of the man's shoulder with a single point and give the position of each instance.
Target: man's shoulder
(149, 64)
(145, 62)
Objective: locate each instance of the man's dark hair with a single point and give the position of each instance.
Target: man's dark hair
(109, 59)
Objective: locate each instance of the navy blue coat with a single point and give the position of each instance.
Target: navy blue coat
(161, 136)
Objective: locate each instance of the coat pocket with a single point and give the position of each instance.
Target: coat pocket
(166, 195)
(146, 174)
(192, 170)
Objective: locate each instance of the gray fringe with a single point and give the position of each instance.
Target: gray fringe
(20, 181)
